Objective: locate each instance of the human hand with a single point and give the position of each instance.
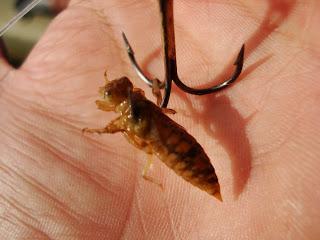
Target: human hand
(261, 134)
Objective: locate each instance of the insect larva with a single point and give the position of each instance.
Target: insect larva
(147, 127)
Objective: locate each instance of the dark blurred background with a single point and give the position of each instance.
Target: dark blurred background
(17, 42)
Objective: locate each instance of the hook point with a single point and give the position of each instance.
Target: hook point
(127, 44)
(239, 60)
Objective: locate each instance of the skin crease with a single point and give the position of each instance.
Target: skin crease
(262, 134)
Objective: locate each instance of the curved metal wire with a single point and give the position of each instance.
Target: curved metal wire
(135, 64)
(239, 65)
(171, 73)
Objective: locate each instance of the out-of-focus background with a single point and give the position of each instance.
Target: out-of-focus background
(19, 40)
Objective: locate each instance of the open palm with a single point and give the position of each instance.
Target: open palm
(261, 134)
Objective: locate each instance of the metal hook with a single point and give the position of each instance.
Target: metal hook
(171, 73)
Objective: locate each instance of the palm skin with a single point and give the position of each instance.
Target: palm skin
(261, 134)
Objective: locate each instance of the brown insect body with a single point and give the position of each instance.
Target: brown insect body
(146, 126)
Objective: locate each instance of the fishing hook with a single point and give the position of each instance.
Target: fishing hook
(170, 62)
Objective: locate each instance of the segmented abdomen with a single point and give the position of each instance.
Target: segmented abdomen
(182, 153)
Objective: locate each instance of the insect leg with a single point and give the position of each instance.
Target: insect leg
(113, 127)
(156, 90)
(102, 105)
(145, 170)
(141, 144)
(157, 93)
(168, 110)
(94, 130)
